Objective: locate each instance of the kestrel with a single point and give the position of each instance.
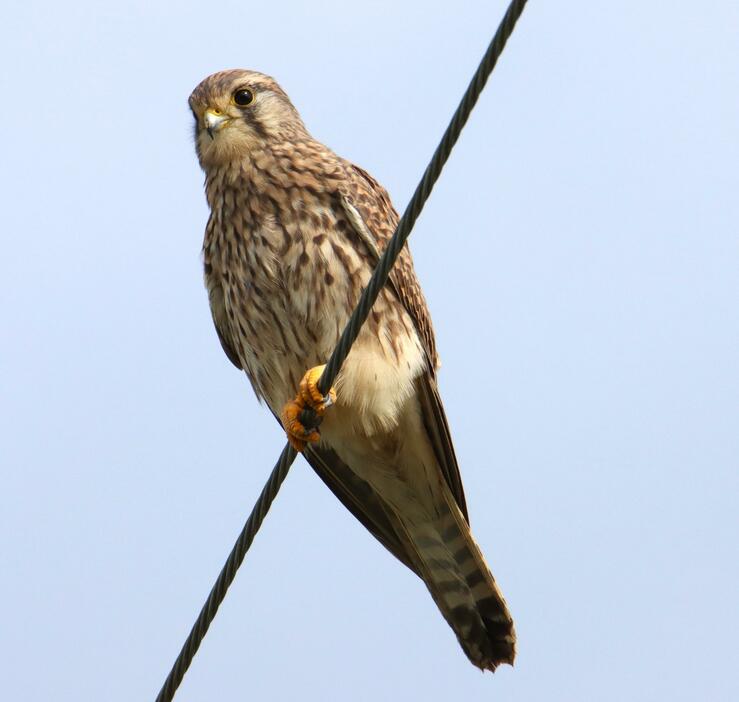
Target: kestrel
(293, 235)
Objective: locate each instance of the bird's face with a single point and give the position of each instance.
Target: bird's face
(237, 113)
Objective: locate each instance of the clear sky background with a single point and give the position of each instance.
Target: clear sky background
(580, 257)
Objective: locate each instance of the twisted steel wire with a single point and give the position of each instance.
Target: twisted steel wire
(421, 194)
(348, 336)
(227, 575)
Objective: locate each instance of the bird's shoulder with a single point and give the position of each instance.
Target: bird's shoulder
(363, 193)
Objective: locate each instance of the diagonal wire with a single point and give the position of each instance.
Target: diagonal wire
(227, 575)
(430, 176)
(350, 333)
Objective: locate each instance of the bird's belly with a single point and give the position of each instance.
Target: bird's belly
(375, 381)
(288, 312)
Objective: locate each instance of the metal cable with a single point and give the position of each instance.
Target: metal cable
(227, 575)
(349, 335)
(430, 176)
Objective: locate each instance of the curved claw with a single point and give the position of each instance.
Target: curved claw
(309, 396)
(297, 434)
(310, 393)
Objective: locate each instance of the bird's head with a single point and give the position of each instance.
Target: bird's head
(238, 113)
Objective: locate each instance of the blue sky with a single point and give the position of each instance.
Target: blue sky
(579, 256)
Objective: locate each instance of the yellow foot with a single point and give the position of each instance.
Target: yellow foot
(308, 396)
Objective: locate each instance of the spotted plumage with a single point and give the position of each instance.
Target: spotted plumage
(293, 235)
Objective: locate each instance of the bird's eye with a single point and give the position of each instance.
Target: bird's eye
(243, 97)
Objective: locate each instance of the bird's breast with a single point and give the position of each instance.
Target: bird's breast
(290, 279)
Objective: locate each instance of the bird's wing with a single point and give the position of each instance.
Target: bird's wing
(361, 500)
(371, 212)
(374, 219)
(220, 320)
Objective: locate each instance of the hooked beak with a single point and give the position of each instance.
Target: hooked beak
(214, 121)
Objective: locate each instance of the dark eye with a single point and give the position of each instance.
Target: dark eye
(243, 97)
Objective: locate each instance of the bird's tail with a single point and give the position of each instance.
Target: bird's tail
(459, 580)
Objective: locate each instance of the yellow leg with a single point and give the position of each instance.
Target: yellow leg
(308, 396)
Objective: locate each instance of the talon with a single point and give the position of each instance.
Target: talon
(309, 396)
(297, 434)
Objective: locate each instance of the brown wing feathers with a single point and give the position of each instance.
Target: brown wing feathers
(381, 219)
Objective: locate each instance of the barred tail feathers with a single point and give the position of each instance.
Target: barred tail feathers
(463, 588)
(429, 529)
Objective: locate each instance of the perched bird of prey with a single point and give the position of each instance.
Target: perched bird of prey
(293, 235)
